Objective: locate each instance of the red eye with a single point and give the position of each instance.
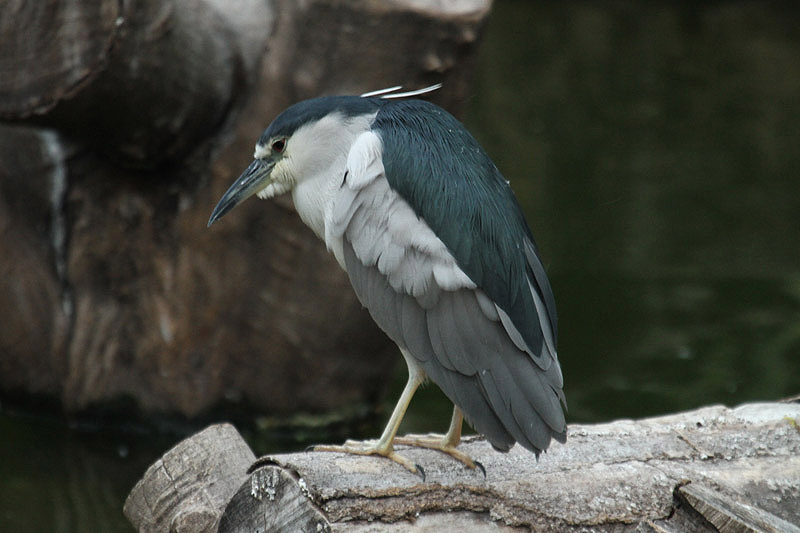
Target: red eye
(279, 145)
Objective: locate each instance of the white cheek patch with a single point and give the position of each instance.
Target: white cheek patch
(280, 180)
(266, 192)
(272, 190)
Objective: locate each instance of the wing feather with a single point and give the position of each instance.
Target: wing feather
(471, 208)
(418, 294)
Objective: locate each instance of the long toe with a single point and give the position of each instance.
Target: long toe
(372, 448)
(440, 443)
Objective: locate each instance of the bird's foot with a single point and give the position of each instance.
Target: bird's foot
(443, 444)
(372, 447)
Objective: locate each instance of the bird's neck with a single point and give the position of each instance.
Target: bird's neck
(311, 197)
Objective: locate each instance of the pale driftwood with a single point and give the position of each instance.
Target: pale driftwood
(712, 469)
(728, 515)
(187, 489)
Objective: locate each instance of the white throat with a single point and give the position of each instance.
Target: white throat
(312, 196)
(320, 164)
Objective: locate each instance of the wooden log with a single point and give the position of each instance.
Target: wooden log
(726, 515)
(712, 469)
(187, 489)
(272, 499)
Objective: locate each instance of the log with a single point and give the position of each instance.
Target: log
(186, 489)
(711, 469)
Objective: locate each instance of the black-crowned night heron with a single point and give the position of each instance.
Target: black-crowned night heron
(436, 248)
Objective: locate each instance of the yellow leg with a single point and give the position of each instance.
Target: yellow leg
(383, 446)
(444, 443)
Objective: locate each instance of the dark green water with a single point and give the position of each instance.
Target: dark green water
(656, 149)
(57, 479)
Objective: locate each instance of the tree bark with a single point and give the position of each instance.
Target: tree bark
(712, 469)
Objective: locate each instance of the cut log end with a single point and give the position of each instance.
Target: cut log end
(188, 488)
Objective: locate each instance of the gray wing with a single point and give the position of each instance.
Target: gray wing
(414, 290)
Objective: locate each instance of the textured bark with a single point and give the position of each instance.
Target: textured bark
(121, 290)
(713, 469)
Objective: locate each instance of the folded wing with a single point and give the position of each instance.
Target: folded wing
(415, 290)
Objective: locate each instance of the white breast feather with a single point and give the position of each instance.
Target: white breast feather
(385, 231)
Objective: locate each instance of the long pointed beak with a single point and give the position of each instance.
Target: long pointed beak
(250, 182)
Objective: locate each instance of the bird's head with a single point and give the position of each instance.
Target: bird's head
(305, 142)
(302, 143)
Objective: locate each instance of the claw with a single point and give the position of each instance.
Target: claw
(434, 442)
(421, 471)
